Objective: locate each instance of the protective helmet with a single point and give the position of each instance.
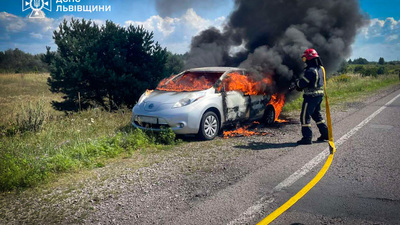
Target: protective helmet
(309, 54)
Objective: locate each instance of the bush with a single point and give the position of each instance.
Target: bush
(30, 117)
(343, 78)
(359, 69)
(135, 140)
(372, 71)
(166, 136)
(382, 70)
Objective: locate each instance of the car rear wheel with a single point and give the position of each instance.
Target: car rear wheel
(209, 126)
(269, 115)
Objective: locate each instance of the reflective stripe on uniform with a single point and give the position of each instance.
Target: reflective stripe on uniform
(303, 120)
(316, 78)
(314, 92)
(304, 78)
(321, 122)
(306, 125)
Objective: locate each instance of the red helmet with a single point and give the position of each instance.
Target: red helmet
(310, 54)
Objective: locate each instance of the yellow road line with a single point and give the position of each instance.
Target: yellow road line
(271, 217)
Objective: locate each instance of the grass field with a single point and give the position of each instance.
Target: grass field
(37, 143)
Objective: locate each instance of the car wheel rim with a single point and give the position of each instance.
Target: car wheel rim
(210, 126)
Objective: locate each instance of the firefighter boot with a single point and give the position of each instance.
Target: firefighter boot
(305, 141)
(323, 129)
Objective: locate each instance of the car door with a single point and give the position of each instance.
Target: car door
(234, 102)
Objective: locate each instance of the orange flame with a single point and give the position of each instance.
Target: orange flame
(148, 92)
(245, 84)
(189, 82)
(243, 132)
(278, 101)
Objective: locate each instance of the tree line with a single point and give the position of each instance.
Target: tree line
(366, 68)
(17, 61)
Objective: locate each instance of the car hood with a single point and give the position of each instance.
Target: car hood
(167, 97)
(161, 100)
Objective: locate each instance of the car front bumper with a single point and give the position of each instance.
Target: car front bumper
(182, 120)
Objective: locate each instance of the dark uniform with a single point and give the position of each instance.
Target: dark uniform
(312, 83)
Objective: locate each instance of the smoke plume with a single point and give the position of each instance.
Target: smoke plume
(269, 36)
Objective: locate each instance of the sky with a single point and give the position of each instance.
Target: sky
(175, 25)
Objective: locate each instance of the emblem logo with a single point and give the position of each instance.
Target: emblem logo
(36, 6)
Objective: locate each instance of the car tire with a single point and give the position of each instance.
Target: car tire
(209, 126)
(269, 115)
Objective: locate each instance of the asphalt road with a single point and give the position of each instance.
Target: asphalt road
(361, 187)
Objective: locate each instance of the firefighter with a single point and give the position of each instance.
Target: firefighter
(312, 83)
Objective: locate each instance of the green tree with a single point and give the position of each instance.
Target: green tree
(109, 66)
(381, 61)
(360, 61)
(48, 57)
(175, 63)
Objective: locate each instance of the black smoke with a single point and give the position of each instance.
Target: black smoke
(269, 36)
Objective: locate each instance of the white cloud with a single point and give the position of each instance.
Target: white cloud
(11, 23)
(31, 35)
(176, 33)
(36, 35)
(379, 39)
(392, 37)
(382, 28)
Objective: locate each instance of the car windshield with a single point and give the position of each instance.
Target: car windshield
(189, 81)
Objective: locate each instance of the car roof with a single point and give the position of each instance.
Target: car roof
(214, 69)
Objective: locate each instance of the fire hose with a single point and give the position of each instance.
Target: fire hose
(271, 217)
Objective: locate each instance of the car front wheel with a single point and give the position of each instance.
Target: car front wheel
(209, 126)
(269, 115)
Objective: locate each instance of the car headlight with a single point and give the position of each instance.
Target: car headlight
(188, 100)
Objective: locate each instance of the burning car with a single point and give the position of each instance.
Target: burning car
(204, 100)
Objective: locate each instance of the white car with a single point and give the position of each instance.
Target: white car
(197, 101)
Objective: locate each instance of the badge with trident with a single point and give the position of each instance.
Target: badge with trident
(36, 6)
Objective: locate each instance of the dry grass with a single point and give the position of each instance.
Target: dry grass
(17, 90)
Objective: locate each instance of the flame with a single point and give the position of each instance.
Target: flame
(278, 101)
(188, 82)
(245, 84)
(148, 92)
(243, 132)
